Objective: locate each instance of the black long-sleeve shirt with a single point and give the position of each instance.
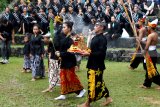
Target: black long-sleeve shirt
(36, 45)
(58, 37)
(26, 48)
(68, 59)
(98, 53)
(6, 31)
(115, 29)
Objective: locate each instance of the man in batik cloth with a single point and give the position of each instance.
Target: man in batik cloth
(137, 58)
(96, 66)
(152, 75)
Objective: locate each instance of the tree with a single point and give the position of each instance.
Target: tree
(3, 4)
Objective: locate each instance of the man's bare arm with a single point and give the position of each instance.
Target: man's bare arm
(141, 34)
(1, 37)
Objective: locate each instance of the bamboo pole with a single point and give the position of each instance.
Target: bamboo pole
(132, 24)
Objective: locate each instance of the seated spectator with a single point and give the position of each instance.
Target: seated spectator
(115, 30)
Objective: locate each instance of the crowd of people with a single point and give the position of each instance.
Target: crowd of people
(25, 14)
(32, 18)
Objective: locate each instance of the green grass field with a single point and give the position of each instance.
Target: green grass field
(16, 89)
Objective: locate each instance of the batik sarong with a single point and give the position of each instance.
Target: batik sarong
(37, 66)
(53, 74)
(27, 62)
(69, 81)
(152, 75)
(96, 85)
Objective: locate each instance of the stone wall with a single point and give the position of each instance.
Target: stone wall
(113, 55)
(121, 55)
(118, 43)
(119, 50)
(122, 43)
(19, 40)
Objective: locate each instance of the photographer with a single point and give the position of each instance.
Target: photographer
(7, 37)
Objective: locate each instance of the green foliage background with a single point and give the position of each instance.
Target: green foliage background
(3, 4)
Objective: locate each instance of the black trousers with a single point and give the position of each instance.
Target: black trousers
(138, 59)
(6, 49)
(155, 79)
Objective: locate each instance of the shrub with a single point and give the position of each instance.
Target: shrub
(3, 4)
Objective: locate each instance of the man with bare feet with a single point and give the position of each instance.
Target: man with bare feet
(136, 57)
(150, 53)
(96, 66)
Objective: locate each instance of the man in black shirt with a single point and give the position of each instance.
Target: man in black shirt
(114, 32)
(7, 14)
(96, 66)
(16, 18)
(7, 37)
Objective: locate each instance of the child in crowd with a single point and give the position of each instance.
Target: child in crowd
(26, 52)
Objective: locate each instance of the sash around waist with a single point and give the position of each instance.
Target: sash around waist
(151, 48)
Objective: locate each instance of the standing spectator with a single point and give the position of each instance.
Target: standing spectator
(30, 9)
(17, 18)
(21, 6)
(103, 5)
(136, 14)
(56, 7)
(43, 21)
(99, 14)
(95, 4)
(50, 14)
(7, 36)
(40, 4)
(24, 21)
(32, 19)
(78, 5)
(48, 4)
(63, 12)
(71, 13)
(7, 14)
(88, 14)
(108, 14)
